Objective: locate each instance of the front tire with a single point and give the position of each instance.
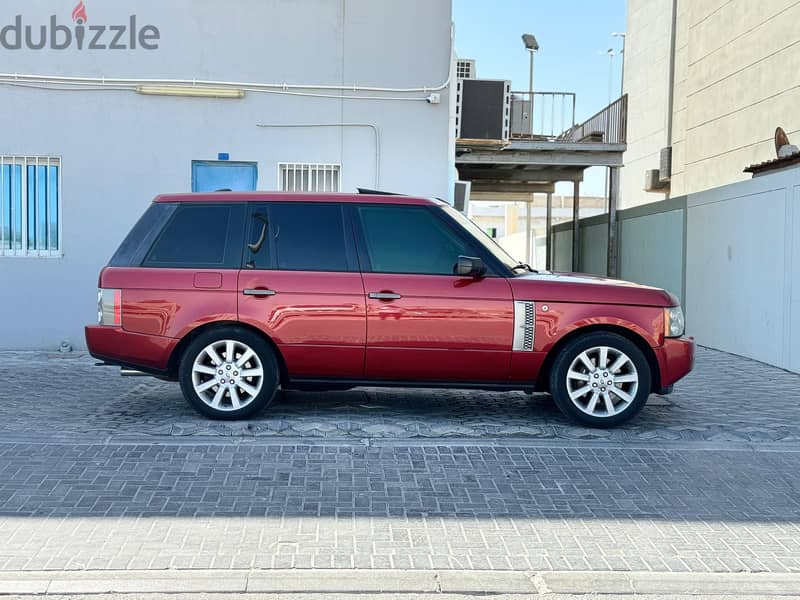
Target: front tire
(600, 379)
(228, 373)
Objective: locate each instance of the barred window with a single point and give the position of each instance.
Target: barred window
(30, 206)
(309, 177)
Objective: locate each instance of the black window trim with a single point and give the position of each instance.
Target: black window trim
(494, 268)
(232, 238)
(349, 240)
(144, 242)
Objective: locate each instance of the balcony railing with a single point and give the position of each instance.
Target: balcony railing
(608, 126)
(553, 114)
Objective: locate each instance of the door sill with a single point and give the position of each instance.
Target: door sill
(323, 383)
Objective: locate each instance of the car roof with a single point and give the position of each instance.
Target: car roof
(297, 197)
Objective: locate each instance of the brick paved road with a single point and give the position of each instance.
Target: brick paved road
(511, 485)
(726, 399)
(262, 506)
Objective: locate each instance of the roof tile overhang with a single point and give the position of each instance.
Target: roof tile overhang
(772, 165)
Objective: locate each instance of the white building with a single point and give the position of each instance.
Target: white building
(97, 119)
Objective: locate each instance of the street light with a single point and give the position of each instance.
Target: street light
(621, 34)
(531, 45)
(611, 54)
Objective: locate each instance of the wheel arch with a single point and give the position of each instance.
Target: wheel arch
(543, 378)
(177, 352)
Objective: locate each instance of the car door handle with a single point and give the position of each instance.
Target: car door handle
(384, 296)
(259, 292)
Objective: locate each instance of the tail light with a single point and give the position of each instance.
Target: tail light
(109, 307)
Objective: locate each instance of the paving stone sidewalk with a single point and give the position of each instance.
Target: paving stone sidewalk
(162, 506)
(99, 472)
(65, 397)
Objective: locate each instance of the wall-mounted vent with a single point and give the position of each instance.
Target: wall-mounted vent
(665, 168)
(653, 183)
(465, 68)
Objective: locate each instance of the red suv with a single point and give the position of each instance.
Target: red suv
(235, 294)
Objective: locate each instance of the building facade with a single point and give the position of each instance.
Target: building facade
(710, 80)
(109, 104)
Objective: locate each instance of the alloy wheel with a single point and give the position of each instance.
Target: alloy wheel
(227, 375)
(602, 381)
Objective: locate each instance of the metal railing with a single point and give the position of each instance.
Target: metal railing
(608, 126)
(553, 114)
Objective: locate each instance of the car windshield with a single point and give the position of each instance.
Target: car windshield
(485, 240)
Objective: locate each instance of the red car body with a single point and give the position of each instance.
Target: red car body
(444, 330)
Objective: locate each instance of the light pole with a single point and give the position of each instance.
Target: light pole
(611, 54)
(532, 46)
(621, 34)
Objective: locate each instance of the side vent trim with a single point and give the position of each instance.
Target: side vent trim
(524, 325)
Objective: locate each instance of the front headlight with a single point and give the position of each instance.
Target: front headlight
(674, 323)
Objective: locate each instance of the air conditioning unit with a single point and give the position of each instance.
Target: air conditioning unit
(461, 195)
(653, 183)
(483, 109)
(665, 168)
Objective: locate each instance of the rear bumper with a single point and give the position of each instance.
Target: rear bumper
(150, 353)
(675, 360)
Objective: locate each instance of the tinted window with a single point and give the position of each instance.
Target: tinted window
(140, 238)
(196, 236)
(301, 237)
(481, 237)
(410, 239)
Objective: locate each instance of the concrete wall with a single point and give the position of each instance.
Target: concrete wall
(120, 149)
(743, 250)
(736, 78)
(650, 250)
(594, 248)
(732, 253)
(652, 246)
(562, 248)
(647, 49)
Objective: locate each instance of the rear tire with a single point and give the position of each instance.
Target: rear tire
(600, 379)
(229, 373)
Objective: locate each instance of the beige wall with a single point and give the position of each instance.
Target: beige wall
(647, 83)
(737, 77)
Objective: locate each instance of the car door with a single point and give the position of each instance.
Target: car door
(300, 284)
(423, 322)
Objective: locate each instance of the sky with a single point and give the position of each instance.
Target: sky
(573, 37)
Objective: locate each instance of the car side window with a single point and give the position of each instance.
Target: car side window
(409, 239)
(197, 236)
(297, 236)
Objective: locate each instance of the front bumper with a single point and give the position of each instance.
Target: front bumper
(116, 346)
(675, 360)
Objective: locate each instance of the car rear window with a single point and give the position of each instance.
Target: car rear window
(200, 236)
(135, 245)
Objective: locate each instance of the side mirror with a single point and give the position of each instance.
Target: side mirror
(470, 266)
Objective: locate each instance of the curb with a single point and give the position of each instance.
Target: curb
(431, 582)
(789, 447)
